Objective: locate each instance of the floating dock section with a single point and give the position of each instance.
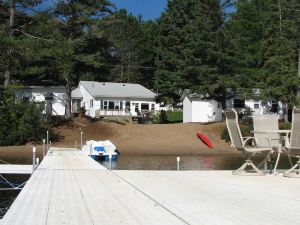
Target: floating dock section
(70, 188)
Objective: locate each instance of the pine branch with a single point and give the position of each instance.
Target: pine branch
(25, 25)
(32, 36)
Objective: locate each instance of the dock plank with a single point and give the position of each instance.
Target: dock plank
(217, 197)
(71, 188)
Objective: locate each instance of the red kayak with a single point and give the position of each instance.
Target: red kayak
(205, 140)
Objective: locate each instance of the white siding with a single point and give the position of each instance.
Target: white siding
(201, 111)
(58, 104)
(187, 110)
(255, 106)
(38, 95)
(86, 98)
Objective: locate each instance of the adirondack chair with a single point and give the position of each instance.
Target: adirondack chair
(243, 144)
(293, 144)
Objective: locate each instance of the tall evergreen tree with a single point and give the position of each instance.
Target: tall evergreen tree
(128, 49)
(150, 44)
(13, 18)
(244, 31)
(189, 47)
(280, 50)
(79, 23)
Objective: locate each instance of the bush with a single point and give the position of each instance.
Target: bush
(160, 117)
(168, 117)
(285, 126)
(245, 130)
(20, 121)
(174, 116)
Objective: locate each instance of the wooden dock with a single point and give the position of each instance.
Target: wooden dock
(70, 188)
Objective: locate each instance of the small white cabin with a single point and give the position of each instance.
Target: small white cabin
(52, 96)
(256, 106)
(102, 99)
(195, 109)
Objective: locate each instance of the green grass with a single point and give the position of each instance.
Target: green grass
(174, 117)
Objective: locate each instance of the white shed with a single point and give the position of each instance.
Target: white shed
(196, 109)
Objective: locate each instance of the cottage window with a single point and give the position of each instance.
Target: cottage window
(145, 106)
(127, 105)
(238, 103)
(25, 99)
(105, 105)
(256, 105)
(152, 107)
(111, 105)
(91, 103)
(136, 108)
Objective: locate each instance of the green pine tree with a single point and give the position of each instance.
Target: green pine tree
(190, 52)
(280, 51)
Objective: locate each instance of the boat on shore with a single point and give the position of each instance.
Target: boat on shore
(101, 150)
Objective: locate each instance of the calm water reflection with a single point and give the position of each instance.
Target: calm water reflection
(195, 162)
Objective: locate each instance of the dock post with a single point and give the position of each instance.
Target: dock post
(81, 133)
(33, 159)
(44, 141)
(110, 161)
(91, 148)
(178, 162)
(47, 141)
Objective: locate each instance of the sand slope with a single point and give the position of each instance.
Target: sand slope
(162, 139)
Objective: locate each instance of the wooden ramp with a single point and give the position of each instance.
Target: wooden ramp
(70, 188)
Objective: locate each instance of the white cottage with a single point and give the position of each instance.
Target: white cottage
(113, 99)
(195, 109)
(256, 106)
(52, 96)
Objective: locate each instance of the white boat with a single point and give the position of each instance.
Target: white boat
(100, 150)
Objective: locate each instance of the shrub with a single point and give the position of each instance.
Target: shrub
(245, 130)
(160, 117)
(20, 121)
(285, 126)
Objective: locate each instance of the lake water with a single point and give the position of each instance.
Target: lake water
(197, 162)
(134, 162)
(193, 162)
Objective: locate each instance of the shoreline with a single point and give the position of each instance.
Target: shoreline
(134, 139)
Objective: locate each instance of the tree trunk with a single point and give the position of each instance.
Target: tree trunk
(7, 77)
(7, 73)
(299, 62)
(68, 112)
(285, 110)
(280, 17)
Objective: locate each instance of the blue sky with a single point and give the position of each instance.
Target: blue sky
(148, 9)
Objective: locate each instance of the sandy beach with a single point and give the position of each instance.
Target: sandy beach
(154, 139)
